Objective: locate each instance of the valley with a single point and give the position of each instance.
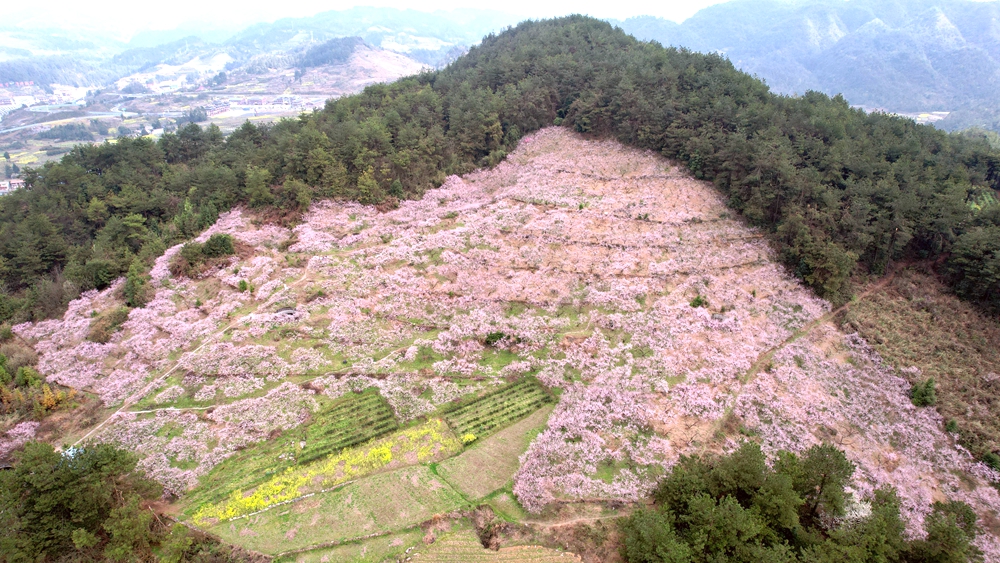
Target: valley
(166, 97)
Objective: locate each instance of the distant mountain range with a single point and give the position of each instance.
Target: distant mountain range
(902, 56)
(86, 59)
(895, 55)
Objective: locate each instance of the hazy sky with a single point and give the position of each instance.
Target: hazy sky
(121, 18)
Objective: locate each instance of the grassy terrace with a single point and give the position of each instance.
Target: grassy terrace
(351, 471)
(496, 409)
(348, 422)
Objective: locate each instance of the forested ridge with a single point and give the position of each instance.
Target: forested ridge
(839, 191)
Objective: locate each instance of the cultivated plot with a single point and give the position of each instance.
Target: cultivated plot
(379, 504)
(490, 463)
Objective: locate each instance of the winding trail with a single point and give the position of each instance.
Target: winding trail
(765, 358)
(136, 397)
(768, 355)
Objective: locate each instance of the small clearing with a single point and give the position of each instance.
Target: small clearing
(490, 464)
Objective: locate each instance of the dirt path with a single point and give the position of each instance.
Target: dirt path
(570, 522)
(136, 397)
(765, 358)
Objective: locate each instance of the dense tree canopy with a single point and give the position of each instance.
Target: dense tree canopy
(52, 504)
(92, 504)
(737, 509)
(838, 190)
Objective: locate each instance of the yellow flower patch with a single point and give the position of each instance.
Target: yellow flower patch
(426, 441)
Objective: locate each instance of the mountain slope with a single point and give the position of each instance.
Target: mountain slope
(414, 269)
(428, 37)
(605, 272)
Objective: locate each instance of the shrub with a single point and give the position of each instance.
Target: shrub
(192, 252)
(195, 257)
(494, 338)
(993, 460)
(27, 377)
(136, 290)
(17, 355)
(107, 324)
(218, 245)
(922, 394)
(699, 301)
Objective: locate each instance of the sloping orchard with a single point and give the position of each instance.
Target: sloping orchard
(618, 281)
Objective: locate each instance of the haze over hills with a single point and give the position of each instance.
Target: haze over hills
(81, 58)
(917, 56)
(912, 56)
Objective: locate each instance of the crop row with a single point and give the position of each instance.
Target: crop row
(498, 395)
(351, 421)
(495, 410)
(497, 398)
(491, 409)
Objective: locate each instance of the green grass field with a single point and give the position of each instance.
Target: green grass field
(489, 464)
(246, 469)
(347, 421)
(497, 409)
(382, 503)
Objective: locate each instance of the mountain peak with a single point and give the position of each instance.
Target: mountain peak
(933, 26)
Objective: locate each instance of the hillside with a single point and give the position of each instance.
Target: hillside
(403, 294)
(839, 191)
(608, 275)
(915, 56)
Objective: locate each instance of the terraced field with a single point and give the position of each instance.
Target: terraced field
(379, 504)
(423, 443)
(490, 463)
(379, 549)
(497, 409)
(464, 547)
(350, 421)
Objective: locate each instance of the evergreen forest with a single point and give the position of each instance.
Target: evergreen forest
(841, 192)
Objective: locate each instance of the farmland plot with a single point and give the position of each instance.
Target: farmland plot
(379, 504)
(351, 421)
(604, 272)
(348, 421)
(490, 463)
(374, 550)
(465, 547)
(418, 444)
(496, 409)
